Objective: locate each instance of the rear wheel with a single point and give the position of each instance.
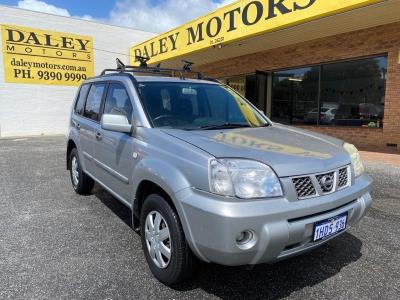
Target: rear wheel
(164, 244)
(81, 182)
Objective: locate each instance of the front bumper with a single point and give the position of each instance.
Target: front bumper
(282, 228)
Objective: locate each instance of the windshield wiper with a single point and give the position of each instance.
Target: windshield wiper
(224, 126)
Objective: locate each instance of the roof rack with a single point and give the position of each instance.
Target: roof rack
(144, 69)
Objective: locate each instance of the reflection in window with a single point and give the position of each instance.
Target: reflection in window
(238, 83)
(351, 93)
(252, 87)
(80, 103)
(295, 96)
(92, 107)
(118, 102)
(356, 90)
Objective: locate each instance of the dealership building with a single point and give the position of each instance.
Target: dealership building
(327, 66)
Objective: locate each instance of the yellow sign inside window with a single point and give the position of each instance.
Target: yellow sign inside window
(239, 20)
(45, 57)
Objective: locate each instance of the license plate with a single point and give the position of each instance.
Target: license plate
(332, 226)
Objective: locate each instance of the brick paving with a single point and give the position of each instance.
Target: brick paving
(381, 158)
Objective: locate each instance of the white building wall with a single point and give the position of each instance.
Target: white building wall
(33, 109)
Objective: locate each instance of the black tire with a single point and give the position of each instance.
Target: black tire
(180, 266)
(85, 184)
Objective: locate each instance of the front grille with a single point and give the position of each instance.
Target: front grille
(304, 187)
(343, 178)
(326, 182)
(315, 185)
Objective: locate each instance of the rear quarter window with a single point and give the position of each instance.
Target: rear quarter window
(81, 100)
(93, 102)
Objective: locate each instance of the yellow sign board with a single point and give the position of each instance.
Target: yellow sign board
(239, 20)
(46, 57)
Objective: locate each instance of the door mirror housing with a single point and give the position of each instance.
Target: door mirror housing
(118, 123)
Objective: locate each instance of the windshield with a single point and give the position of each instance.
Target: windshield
(194, 106)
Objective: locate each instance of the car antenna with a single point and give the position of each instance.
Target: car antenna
(187, 65)
(120, 65)
(143, 61)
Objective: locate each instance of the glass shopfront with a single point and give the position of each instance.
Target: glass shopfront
(253, 87)
(295, 96)
(350, 93)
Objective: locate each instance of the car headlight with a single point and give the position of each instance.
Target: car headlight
(355, 159)
(244, 179)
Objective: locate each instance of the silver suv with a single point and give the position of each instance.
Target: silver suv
(206, 174)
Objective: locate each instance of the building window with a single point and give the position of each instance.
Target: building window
(350, 93)
(295, 96)
(357, 90)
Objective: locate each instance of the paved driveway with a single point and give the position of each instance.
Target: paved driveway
(55, 244)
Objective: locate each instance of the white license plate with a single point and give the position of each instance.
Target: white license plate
(332, 226)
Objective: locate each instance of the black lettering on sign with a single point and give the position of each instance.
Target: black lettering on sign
(173, 38)
(67, 42)
(299, 7)
(153, 52)
(195, 37)
(272, 5)
(138, 53)
(15, 36)
(163, 45)
(218, 26)
(83, 44)
(48, 41)
(260, 11)
(231, 14)
(31, 38)
(242, 14)
(10, 48)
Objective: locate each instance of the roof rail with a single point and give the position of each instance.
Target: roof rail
(144, 69)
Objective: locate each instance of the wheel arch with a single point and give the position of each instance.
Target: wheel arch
(70, 145)
(159, 177)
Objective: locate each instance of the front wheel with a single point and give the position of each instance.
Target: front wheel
(163, 240)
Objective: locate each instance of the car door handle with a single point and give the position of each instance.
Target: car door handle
(98, 135)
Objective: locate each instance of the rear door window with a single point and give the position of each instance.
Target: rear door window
(93, 103)
(80, 102)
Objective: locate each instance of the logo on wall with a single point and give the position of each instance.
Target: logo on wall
(46, 57)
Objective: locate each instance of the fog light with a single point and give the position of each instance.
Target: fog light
(244, 237)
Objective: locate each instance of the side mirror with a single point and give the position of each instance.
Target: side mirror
(117, 123)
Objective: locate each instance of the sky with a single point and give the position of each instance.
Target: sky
(148, 15)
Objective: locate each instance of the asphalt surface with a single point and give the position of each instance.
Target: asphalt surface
(55, 244)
